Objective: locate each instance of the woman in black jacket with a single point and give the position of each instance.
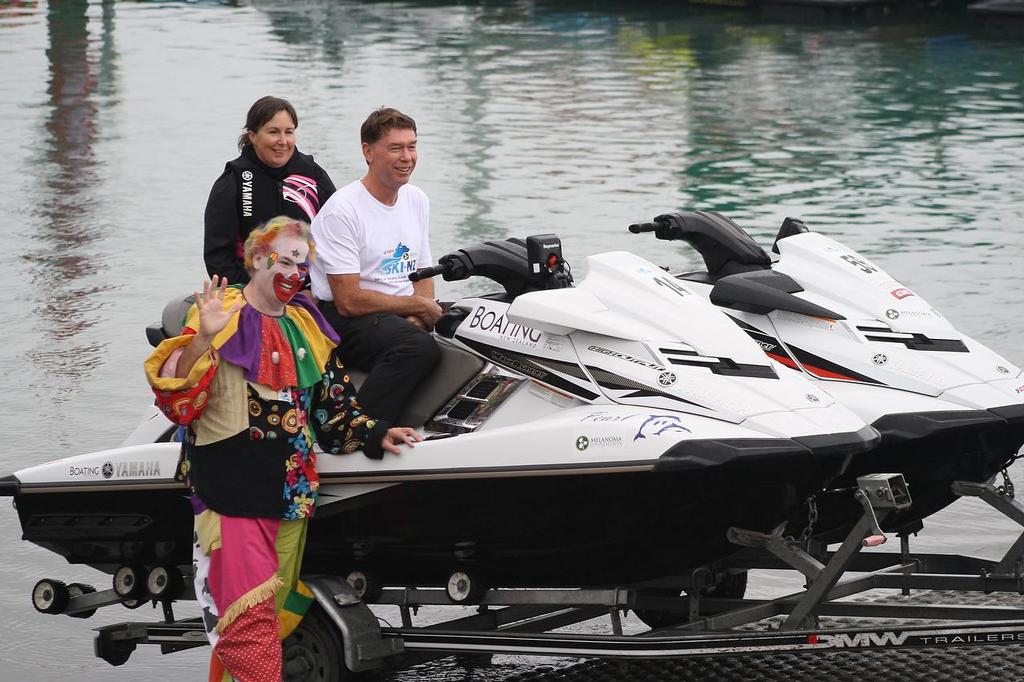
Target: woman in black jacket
(269, 178)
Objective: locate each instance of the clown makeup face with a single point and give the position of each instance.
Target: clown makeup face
(283, 269)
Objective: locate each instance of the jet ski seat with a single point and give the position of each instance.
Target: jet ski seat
(454, 370)
(172, 321)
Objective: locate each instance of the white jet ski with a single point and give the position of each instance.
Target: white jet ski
(947, 407)
(599, 434)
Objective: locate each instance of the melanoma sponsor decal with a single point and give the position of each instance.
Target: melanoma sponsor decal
(920, 314)
(598, 442)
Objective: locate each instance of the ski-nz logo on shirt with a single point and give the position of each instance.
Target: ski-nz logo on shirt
(401, 261)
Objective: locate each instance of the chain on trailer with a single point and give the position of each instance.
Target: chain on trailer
(1007, 489)
(812, 519)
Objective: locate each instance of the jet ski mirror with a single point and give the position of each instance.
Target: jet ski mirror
(790, 226)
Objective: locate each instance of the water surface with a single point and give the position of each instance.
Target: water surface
(901, 137)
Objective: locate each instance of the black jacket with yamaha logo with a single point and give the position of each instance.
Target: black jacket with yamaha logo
(249, 193)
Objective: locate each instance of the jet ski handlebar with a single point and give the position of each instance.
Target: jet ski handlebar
(427, 273)
(519, 265)
(653, 226)
(723, 244)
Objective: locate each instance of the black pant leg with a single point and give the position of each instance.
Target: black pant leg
(396, 355)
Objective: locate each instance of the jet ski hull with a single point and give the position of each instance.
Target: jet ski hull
(617, 524)
(931, 450)
(111, 527)
(573, 530)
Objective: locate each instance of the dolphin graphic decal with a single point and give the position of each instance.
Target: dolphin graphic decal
(657, 424)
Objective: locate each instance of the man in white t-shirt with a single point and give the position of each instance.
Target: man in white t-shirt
(369, 236)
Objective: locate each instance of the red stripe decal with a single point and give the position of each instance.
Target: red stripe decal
(825, 374)
(816, 371)
(788, 362)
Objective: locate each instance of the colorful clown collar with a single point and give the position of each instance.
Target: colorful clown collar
(290, 350)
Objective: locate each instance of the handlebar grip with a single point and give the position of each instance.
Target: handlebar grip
(425, 273)
(637, 228)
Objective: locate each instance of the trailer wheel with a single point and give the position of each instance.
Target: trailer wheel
(733, 587)
(164, 582)
(77, 590)
(130, 581)
(465, 587)
(314, 653)
(364, 584)
(50, 596)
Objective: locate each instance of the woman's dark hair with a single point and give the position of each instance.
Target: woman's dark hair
(262, 110)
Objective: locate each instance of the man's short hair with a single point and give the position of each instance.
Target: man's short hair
(259, 240)
(379, 122)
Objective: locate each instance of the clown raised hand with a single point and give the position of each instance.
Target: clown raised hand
(213, 316)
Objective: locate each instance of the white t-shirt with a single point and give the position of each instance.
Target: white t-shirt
(355, 233)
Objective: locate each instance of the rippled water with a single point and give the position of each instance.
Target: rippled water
(901, 137)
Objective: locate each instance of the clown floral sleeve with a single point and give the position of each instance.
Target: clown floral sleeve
(182, 400)
(339, 422)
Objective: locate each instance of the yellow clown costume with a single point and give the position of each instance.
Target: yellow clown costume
(252, 407)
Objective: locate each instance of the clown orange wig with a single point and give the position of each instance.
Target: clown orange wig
(259, 240)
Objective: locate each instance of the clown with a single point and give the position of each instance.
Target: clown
(253, 380)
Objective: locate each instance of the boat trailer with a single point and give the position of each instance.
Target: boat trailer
(522, 621)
